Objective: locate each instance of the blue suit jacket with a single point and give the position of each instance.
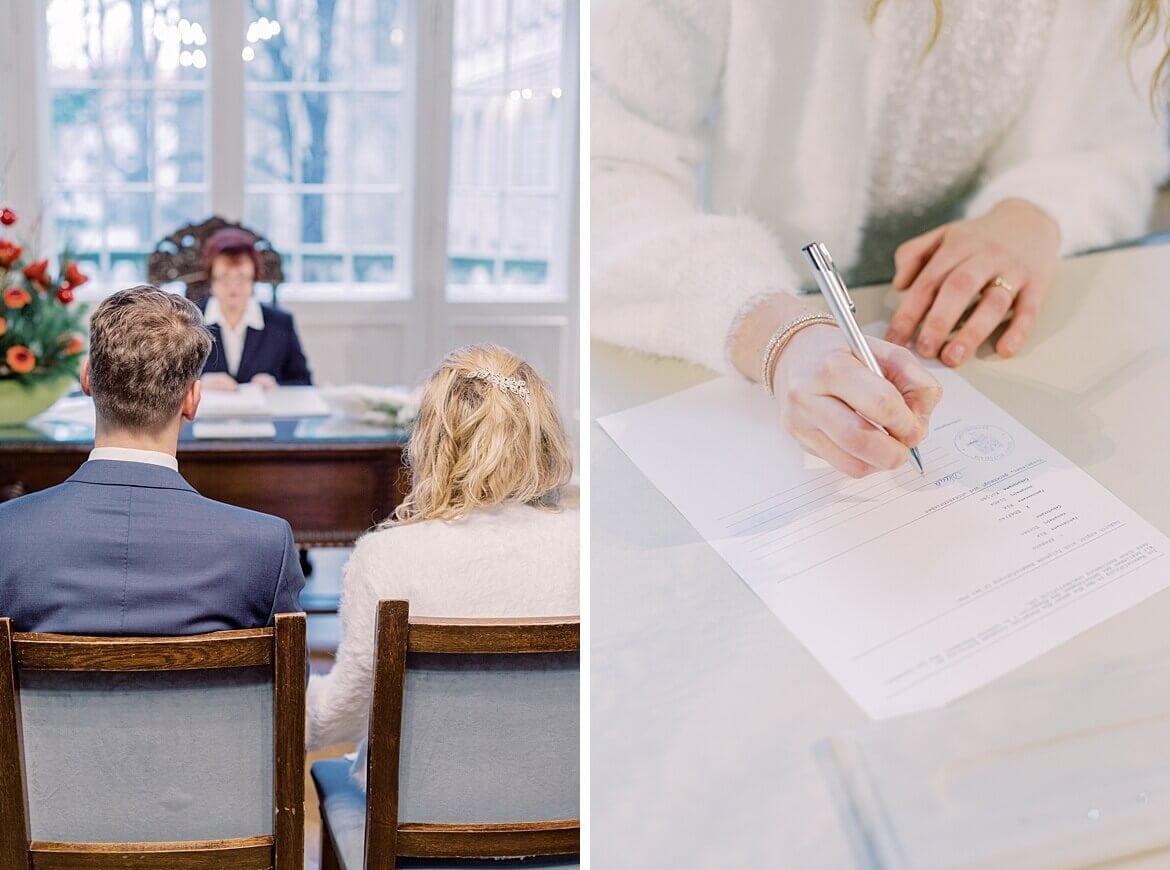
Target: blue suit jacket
(128, 548)
(273, 350)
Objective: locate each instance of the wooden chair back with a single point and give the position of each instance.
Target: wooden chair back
(109, 735)
(476, 669)
(179, 257)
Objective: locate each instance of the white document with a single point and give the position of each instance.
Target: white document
(287, 402)
(248, 401)
(232, 429)
(910, 590)
(76, 410)
(252, 400)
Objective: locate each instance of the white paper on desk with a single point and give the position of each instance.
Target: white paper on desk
(252, 400)
(297, 402)
(909, 590)
(208, 429)
(248, 401)
(77, 410)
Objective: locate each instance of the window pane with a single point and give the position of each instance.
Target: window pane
(79, 220)
(473, 225)
(179, 138)
(127, 86)
(373, 220)
(323, 269)
(126, 134)
(77, 136)
(177, 210)
(324, 135)
(536, 37)
(507, 128)
(375, 138)
(276, 217)
(481, 44)
(528, 227)
(127, 40)
(479, 148)
(379, 34)
(128, 223)
(374, 270)
(270, 140)
(339, 41)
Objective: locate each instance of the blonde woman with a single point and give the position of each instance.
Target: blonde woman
(482, 532)
(960, 147)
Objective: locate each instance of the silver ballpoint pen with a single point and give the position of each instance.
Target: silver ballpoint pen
(842, 308)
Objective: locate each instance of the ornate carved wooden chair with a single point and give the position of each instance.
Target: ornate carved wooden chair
(161, 752)
(473, 747)
(179, 257)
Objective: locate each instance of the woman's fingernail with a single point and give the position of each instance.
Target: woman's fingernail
(926, 347)
(955, 353)
(1011, 345)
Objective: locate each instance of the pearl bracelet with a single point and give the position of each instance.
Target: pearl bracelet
(780, 339)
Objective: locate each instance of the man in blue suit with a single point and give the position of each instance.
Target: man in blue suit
(126, 546)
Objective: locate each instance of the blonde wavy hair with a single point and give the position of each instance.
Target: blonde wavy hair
(1145, 20)
(478, 442)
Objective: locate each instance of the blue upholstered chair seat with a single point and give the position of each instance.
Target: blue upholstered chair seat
(344, 805)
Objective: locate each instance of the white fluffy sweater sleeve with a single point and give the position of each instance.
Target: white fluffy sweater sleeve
(339, 702)
(665, 276)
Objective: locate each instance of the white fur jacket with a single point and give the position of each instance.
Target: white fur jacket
(510, 560)
(726, 134)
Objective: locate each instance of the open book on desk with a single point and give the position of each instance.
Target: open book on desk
(910, 590)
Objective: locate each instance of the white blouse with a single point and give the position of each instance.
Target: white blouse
(234, 336)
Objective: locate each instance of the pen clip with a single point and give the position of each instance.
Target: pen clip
(840, 282)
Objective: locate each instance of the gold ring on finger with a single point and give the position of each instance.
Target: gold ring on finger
(1005, 285)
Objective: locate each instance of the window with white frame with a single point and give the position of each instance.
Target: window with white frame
(507, 132)
(327, 121)
(324, 129)
(128, 119)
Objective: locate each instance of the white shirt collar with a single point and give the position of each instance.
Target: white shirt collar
(127, 454)
(253, 315)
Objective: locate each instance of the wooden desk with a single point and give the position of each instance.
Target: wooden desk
(329, 480)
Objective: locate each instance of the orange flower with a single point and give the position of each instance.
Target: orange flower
(38, 273)
(73, 276)
(21, 360)
(9, 253)
(3, 326)
(16, 297)
(73, 343)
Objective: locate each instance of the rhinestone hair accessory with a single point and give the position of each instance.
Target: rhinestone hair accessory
(512, 385)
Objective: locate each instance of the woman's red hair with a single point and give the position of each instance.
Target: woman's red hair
(235, 244)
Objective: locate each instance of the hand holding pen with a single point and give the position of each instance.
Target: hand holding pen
(831, 400)
(841, 306)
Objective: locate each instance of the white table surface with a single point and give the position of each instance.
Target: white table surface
(704, 706)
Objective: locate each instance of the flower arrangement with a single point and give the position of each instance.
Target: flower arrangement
(389, 407)
(41, 331)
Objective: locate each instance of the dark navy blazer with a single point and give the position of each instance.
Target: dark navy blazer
(129, 548)
(273, 350)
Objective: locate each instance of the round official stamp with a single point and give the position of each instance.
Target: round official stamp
(986, 443)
